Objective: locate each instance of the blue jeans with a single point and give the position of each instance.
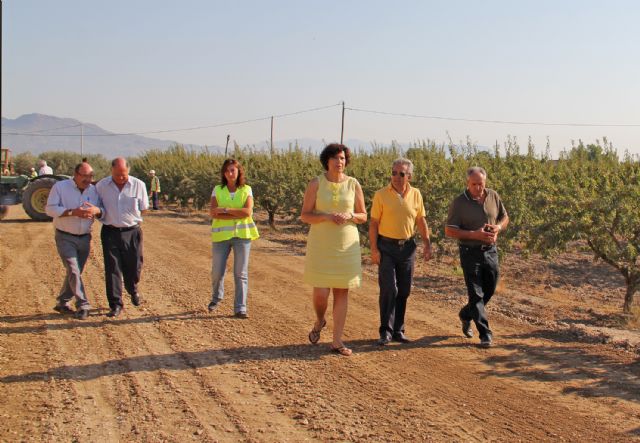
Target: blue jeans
(220, 253)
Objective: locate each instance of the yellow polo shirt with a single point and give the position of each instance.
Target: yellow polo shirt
(396, 215)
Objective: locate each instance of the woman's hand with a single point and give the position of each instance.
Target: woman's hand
(340, 218)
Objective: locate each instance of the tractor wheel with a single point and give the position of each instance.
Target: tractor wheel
(34, 198)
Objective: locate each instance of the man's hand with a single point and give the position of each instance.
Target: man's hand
(486, 234)
(375, 256)
(427, 251)
(86, 210)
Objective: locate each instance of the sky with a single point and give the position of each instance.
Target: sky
(141, 66)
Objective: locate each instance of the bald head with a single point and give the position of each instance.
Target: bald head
(120, 171)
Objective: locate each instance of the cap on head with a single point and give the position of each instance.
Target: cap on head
(152, 172)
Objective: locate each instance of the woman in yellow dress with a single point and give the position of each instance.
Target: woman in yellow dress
(333, 205)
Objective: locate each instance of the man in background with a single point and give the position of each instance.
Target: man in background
(154, 190)
(43, 168)
(124, 199)
(74, 204)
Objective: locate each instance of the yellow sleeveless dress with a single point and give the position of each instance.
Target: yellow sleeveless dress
(333, 251)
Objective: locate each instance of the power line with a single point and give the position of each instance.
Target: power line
(505, 122)
(44, 130)
(219, 125)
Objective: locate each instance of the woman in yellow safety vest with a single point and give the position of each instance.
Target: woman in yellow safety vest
(232, 227)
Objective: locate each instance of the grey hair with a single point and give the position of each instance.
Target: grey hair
(403, 162)
(476, 170)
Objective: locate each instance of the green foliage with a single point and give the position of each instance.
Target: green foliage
(588, 194)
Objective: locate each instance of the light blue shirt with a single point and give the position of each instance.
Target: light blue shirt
(123, 209)
(65, 195)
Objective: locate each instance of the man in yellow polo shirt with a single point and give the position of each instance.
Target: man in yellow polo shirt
(396, 212)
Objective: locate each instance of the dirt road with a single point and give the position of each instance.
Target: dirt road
(170, 371)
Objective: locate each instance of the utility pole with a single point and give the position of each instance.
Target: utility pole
(81, 140)
(342, 130)
(272, 135)
(227, 145)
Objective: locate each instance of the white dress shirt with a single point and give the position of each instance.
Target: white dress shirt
(123, 209)
(45, 170)
(64, 196)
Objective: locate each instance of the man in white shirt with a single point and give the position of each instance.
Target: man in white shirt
(74, 204)
(124, 199)
(44, 169)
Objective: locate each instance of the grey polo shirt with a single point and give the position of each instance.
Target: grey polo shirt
(467, 214)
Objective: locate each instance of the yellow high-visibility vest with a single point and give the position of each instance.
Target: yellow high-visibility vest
(222, 230)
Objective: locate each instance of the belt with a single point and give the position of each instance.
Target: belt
(395, 241)
(124, 229)
(478, 247)
(69, 233)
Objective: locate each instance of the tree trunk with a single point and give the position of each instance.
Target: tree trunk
(632, 287)
(272, 219)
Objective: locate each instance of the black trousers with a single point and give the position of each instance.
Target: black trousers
(155, 198)
(395, 276)
(122, 250)
(480, 268)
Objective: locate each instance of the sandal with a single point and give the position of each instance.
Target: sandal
(342, 350)
(314, 335)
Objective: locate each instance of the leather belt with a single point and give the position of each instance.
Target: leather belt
(69, 233)
(124, 229)
(395, 241)
(478, 247)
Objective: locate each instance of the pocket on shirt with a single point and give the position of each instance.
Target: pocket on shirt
(131, 204)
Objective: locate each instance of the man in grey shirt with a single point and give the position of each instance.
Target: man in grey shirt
(476, 217)
(74, 204)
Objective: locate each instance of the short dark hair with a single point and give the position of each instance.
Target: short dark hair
(232, 161)
(331, 151)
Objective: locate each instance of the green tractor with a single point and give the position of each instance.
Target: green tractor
(31, 192)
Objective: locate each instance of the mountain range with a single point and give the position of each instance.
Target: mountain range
(38, 133)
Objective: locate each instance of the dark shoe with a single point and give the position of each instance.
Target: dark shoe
(486, 342)
(383, 341)
(241, 315)
(466, 328)
(400, 338)
(212, 306)
(115, 312)
(82, 314)
(63, 309)
(314, 334)
(135, 299)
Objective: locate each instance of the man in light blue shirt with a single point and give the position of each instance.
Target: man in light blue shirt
(74, 204)
(124, 199)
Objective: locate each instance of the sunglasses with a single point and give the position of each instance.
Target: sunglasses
(402, 174)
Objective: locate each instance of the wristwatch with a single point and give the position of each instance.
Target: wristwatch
(224, 210)
(70, 212)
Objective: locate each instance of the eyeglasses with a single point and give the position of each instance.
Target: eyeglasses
(90, 175)
(402, 174)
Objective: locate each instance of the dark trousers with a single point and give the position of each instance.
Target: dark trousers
(395, 275)
(155, 197)
(122, 252)
(480, 269)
